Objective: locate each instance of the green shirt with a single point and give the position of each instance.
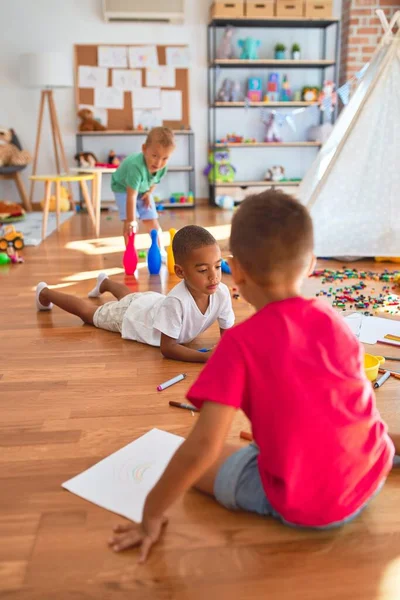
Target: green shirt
(134, 173)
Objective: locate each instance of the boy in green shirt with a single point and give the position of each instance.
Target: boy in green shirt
(134, 181)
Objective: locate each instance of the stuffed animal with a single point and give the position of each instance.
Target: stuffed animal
(225, 48)
(219, 168)
(113, 159)
(86, 159)
(275, 173)
(64, 201)
(272, 132)
(310, 94)
(249, 48)
(327, 97)
(10, 212)
(88, 122)
(10, 155)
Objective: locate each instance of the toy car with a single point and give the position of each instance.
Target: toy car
(10, 237)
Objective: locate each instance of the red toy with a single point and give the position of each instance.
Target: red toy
(130, 260)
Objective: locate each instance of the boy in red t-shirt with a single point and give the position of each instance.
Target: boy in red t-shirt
(321, 449)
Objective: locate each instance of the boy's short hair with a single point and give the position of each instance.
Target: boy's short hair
(161, 135)
(271, 232)
(190, 238)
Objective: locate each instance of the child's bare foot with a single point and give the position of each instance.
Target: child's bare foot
(96, 291)
(41, 303)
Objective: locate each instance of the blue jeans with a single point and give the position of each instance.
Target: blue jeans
(144, 213)
(238, 486)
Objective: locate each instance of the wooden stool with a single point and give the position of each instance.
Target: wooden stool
(58, 180)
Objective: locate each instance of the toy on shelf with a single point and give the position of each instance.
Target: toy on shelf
(11, 212)
(327, 97)
(86, 159)
(65, 204)
(254, 89)
(170, 254)
(310, 93)
(230, 91)
(280, 51)
(113, 159)
(130, 259)
(190, 197)
(219, 168)
(272, 94)
(275, 173)
(88, 122)
(225, 202)
(249, 47)
(272, 132)
(154, 254)
(286, 94)
(296, 52)
(178, 198)
(225, 48)
(10, 154)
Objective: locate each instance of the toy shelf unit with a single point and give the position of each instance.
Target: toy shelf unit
(180, 173)
(268, 77)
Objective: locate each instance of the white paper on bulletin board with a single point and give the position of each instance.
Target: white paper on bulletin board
(99, 114)
(163, 77)
(171, 105)
(121, 482)
(92, 77)
(126, 79)
(143, 56)
(108, 97)
(147, 118)
(146, 98)
(113, 56)
(177, 56)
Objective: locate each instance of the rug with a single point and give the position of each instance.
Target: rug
(31, 226)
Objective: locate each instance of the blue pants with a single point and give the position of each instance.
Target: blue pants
(143, 212)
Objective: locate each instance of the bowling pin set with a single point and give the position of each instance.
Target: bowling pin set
(130, 259)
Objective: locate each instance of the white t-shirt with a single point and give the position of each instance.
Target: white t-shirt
(176, 315)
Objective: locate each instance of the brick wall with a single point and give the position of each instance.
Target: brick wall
(361, 32)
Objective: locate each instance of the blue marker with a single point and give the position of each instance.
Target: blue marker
(154, 254)
(204, 350)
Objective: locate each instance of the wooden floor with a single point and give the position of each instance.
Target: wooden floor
(71, 395)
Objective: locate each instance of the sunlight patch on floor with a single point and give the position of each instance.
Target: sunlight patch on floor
(389, 585)
(112, 245)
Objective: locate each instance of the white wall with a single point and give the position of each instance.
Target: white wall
(41, 25)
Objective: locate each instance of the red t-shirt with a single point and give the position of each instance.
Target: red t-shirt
(296, 370)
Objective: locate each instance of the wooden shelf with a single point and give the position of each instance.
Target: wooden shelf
(262, 104)
(300, 22)
(133, 132)
(179, 169)
(237, 63)
(270, 144)
(264, 183)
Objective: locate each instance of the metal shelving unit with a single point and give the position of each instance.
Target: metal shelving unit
(189, 168)
(215, 65)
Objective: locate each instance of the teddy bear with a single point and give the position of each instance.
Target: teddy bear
(10, 154)
(88, 122)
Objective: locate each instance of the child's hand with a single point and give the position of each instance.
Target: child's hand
(144, 535)
(146, 199)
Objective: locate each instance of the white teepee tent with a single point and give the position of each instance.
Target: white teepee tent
(353, 187)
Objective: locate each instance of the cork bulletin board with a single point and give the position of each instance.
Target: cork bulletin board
(122, 119)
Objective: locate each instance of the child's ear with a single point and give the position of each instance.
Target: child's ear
(144, 148)
(237, 271)
(313, 262)
(179, 271)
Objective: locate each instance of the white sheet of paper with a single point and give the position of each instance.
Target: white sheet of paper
(373, 329)
(121, 482)
(146, 98)
(143, 56)
(126, 79)
(147, 117)
(177, 56)
(113, 56)
(100, 114)
(161, 77)
(92, 77)
(108, 97)
(171, 105)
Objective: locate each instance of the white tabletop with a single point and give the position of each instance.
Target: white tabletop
(93, 169)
